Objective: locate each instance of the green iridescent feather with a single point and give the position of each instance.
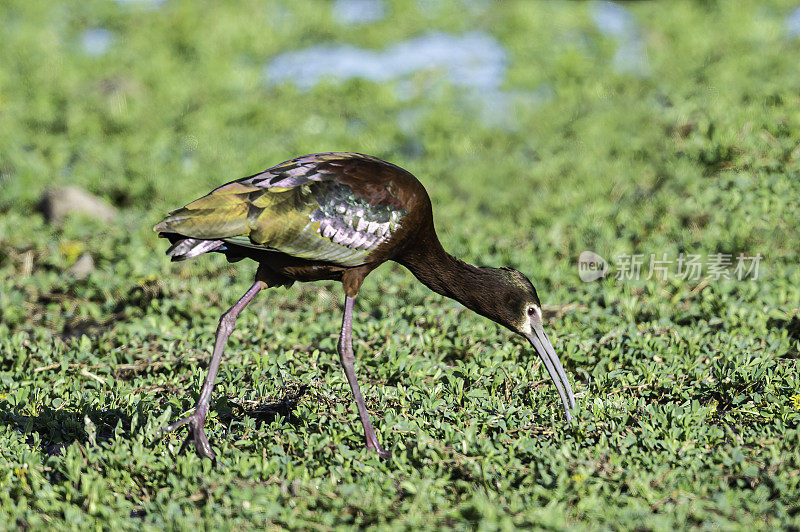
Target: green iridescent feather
(288, 219)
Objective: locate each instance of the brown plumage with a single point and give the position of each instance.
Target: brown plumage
(338, 216)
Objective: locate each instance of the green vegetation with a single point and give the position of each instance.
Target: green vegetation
(689, 390)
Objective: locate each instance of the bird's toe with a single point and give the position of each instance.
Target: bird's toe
(177, 424)
(196, 433)
(380, 451)
(201, 443)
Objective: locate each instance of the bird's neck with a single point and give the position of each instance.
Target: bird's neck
(470, 285)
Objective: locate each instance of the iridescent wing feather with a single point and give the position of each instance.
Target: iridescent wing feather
(306, 207)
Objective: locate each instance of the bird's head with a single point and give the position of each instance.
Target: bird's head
(521, 311)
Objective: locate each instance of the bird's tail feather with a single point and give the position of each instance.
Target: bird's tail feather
(187, 248)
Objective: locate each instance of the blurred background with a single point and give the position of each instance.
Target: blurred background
(540, 130)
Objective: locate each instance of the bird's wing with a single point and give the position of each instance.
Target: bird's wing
(334, 207)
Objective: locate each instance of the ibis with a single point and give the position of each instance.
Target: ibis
(338, 216)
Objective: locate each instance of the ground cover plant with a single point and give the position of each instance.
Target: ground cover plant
(638, 128)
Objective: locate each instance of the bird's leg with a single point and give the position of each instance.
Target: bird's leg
(348, 360)
(197, 419)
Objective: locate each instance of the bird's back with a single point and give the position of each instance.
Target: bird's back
(344, 209)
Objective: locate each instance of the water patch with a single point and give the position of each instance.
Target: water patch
(631, 58)
(358, 11)
(792, 24)
(615, 20)
(147, 4)
(474, 60)
(96, 41)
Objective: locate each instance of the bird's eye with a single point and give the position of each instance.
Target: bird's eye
(531, 311)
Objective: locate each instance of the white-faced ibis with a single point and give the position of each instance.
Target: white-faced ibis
(338, 216)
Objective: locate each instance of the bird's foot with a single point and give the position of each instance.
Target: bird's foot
(376, 447)
(195, 421)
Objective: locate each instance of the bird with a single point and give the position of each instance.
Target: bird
(338, 216)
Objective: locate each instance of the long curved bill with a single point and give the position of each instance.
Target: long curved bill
(548, 355)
